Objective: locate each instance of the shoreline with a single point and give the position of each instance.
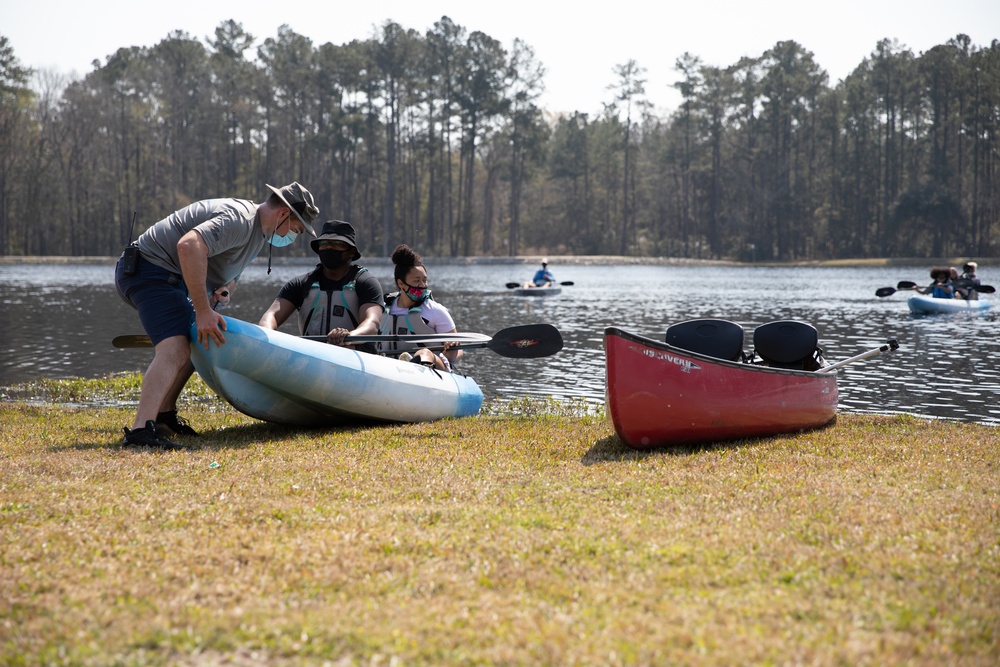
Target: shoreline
(564, 260)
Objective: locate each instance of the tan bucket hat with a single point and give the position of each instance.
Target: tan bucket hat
(301, 203)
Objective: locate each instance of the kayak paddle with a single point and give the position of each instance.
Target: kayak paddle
(889, 345)
(965, 283)
(142, 340)
(907, 285)
(565, 283)
(901, 285)
(524, 341)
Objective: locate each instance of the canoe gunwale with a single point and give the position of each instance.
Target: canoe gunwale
(735, 365)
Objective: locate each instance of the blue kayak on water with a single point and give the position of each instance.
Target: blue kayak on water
(285, 379)
(924, 304)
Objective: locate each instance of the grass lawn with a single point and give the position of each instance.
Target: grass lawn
(533, 537)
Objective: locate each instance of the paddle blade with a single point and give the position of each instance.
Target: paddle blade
(513, 285)
(885, 291)
(905, 284)
(527, 341)
(986, 289)
(567, 283)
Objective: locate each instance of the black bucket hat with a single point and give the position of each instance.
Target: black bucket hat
(336, 230)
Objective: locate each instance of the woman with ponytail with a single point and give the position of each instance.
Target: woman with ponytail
(412, 311)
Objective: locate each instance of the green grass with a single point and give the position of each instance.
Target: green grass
(531, 536)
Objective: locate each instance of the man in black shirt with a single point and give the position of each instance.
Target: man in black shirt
(338, 298)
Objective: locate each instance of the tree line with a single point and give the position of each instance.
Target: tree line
(437, 139)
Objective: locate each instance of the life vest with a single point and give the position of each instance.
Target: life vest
(542, 276)
(323, 311)
(409, 323)
(940, 292)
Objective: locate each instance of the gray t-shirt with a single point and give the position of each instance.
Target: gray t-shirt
(229, 227)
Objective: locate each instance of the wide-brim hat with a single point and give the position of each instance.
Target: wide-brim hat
(336, 230)
(545, 260)
(300, 201)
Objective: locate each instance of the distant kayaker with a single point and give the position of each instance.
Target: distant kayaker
(941, 287)
(965, 287)
(175, 274)
(338, 298)
(412, 311)
(543, 277)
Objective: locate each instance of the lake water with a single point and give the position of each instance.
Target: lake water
(57, 321)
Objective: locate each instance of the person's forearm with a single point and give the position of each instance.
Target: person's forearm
(371, 321)
(271, 320)
(193, 255)
(368, 328)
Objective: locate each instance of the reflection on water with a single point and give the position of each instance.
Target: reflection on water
(58, 321)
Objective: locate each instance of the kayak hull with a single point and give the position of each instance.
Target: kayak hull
(537, 291)
(659, 395)
(285, 379)
(922, 304)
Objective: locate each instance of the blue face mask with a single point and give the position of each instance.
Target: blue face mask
(282, 241)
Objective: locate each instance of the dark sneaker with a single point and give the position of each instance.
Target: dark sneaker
(148, 437)
(168, 424)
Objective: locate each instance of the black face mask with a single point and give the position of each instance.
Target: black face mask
(334, 259)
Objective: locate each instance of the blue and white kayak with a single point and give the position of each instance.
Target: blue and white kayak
(924, 304)
(285, 379)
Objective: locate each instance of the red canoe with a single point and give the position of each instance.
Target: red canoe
(659, 395)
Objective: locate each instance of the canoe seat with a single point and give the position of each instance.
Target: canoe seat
(721, 339)
(788, 344)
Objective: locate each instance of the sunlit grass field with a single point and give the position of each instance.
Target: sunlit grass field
(528, 535)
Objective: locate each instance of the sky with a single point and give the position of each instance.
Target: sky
(579, 43)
